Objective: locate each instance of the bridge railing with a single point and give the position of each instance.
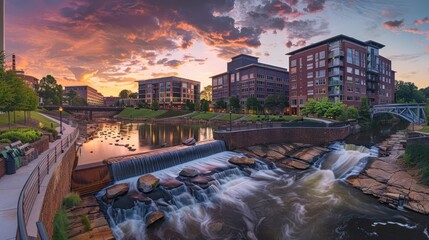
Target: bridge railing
(33, 184)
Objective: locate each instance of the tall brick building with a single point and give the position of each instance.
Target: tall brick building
(343, 69)
(246, 77)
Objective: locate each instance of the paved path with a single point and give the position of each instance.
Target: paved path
(11, 186)
(320, 120)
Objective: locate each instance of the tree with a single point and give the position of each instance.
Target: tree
(49, 90)
(364, 111)
(407, 92)
(124, 93)
(155, 106)
(309, 107)
(352, 112)
(207, 93)
(133, 95)
(189, 105)
(276, 103)
(205, 105)
(220, 104)
(234, 103)
(322, 106)
(252, 104)
(335, 110)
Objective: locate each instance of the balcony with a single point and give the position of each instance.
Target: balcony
(336, 73)
(337, 53)
(335, 83)
(335, 92)
(336, 64)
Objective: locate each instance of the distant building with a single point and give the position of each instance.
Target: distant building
(30, 81)
(89, 94)
(246, 77)
(342, 69)
(111, 101)
(169, 92)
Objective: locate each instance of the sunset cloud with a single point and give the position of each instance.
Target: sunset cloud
(393, 25)
(421, 21)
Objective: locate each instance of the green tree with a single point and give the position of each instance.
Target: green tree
(207, 93)
(364, 111)
(322, 106)
(49, 90)
(124, 93)
(335, 110)
(352, 112)
(189, 105)
(155, 106)
(252, 104)
(234, 103)
(276, 103)
(133, 95)
(407, 92)
(220, 104)
(309, 107)
(205, 105)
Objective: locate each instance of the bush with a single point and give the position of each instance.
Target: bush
(86, 222)
(416, 155)
(5, 140)
(71, 200)
(25, 135)
(60, 225)
(52, 131)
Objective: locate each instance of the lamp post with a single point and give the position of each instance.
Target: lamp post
(230, 120)
(60, 109)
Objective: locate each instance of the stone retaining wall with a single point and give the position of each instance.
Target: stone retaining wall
(2, 167)
(424, 140)
(59, 185)
(310, 135)
(41, 145)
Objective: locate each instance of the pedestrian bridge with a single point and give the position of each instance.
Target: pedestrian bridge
(413, 113)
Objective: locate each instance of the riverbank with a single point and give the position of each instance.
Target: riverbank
(389, 180)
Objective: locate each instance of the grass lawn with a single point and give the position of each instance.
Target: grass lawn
(53, 112)
(19, 117)
(425, 129)
(234, 116)
(202, 115)
(270, 117)
(141, 113)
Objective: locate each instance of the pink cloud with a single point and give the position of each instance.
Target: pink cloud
(421, 21)
(415, 31)
(393, 25)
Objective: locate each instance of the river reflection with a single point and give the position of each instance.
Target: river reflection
(116, 139)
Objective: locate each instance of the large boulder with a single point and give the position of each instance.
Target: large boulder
(147, 183)
(171, 183)
(188, 172)
(298, 165)
(117, 190)
(202, 181)
(242, 161)
(153, 217)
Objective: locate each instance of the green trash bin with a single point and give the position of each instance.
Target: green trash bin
(10, 163)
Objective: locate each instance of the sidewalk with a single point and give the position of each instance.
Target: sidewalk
(10, 189)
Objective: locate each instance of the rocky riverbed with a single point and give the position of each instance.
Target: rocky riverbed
(390, 181)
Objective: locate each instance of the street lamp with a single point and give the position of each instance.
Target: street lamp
(230, 120)
(60, 109)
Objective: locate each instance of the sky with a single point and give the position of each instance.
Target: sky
(110, 44)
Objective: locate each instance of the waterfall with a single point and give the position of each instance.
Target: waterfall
(347, 160)
(148, 164)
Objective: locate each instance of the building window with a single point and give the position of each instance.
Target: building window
(310, 83)
(322, 55)
(321, 81)
(310, 66)
(293, 70)
(357, 72)
(293, 63)
(310, 92)
(310, 75)
(293, 86)
(320, 73)
(310, 58)
(349, 70)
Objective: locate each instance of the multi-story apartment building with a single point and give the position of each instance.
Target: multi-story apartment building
(169, 92)
(89, 94)
(343, 69)
(246, 77)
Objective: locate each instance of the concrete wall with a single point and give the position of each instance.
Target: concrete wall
(58, 186)
(310, 135)
(90, 178)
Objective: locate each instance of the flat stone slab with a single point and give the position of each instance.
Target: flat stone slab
(117, 190)
(147, 183)
(242, 161)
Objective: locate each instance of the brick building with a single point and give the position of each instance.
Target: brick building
(169, 92)
(246, 77)
(343, 69)
(89, 94)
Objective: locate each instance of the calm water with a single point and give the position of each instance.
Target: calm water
(116, 139)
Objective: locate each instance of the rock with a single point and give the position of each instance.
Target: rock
(147, 183)
(379, 174)
(171, 183)
(258, 150)
(189, 142)
(188, 172)
(298, 164)
(123, 202)
(395, 196)
(277, 148)
(242, 161)
(153, 217)
(117, 190)
(368, 185)
(140, 198)
(401, 179)
(202, 181)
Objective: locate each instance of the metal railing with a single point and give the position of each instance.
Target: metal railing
(32, 186)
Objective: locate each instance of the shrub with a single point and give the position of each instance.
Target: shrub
(5, 140)
(86, 222)
(71, 200)
(52, 131)
(416, 155)
(25, 135)
(60, 225)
